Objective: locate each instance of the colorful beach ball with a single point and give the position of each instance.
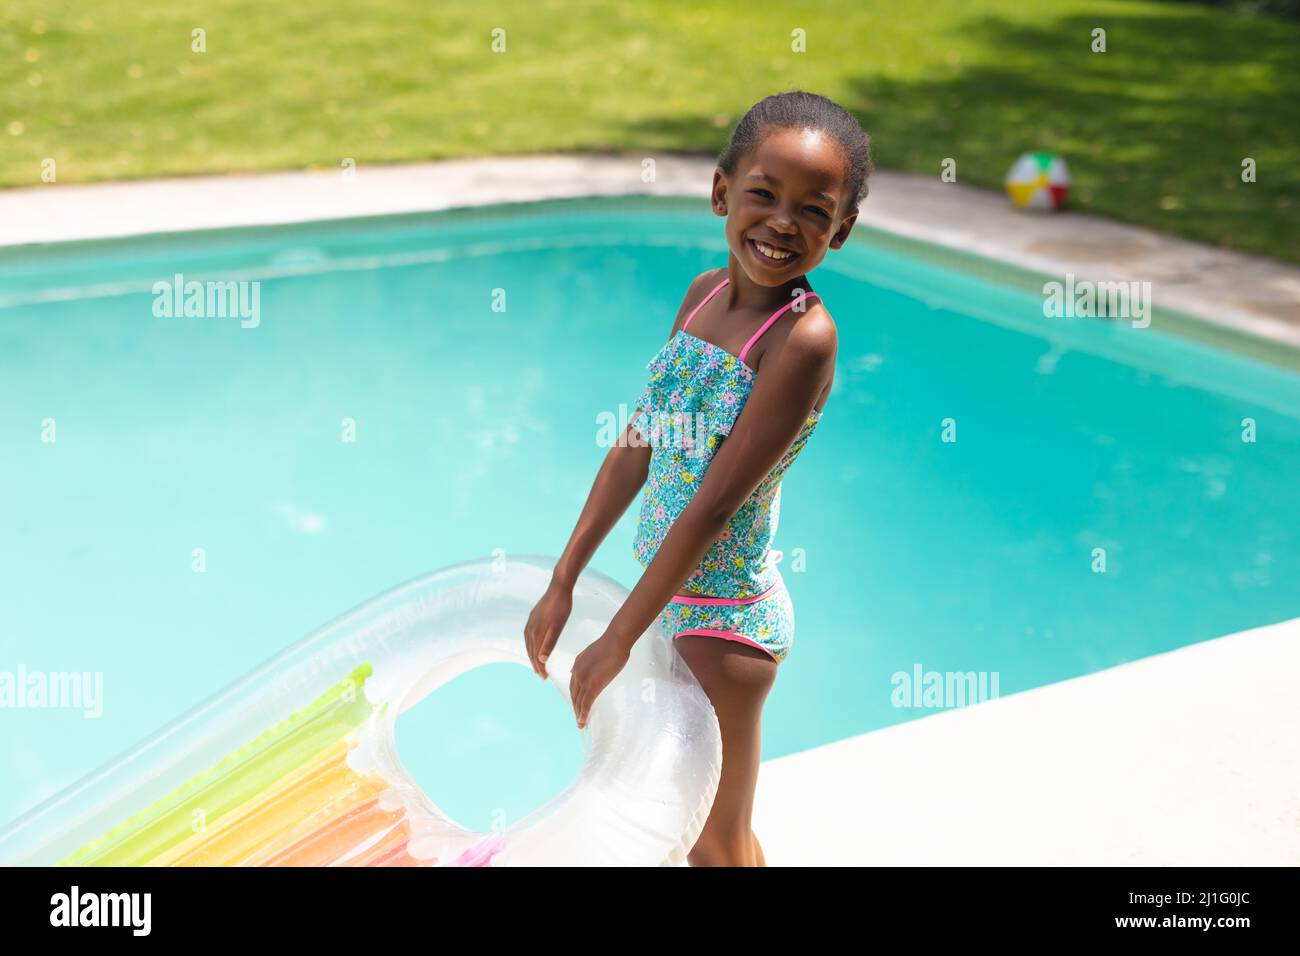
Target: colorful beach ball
(1038, 181)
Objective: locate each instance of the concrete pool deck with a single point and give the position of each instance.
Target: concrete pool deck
(1246, 296)
(1187, 758)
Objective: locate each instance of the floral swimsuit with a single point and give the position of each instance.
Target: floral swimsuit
(693, 398)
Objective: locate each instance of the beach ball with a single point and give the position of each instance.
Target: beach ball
(1038, 181)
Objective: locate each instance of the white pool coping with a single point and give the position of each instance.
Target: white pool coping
(1187, 758)
(1254, 295)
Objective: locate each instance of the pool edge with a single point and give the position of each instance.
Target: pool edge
(949, 224)
(1056, 776)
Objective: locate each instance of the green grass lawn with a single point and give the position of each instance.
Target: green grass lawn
(1155, 129)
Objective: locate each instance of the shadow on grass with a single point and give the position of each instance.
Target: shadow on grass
(1154, 130)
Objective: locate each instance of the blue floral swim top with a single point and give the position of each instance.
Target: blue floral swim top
(695, 394)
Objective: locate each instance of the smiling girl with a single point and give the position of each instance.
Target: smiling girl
(750, 361)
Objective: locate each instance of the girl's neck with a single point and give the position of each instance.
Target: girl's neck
(744, 293)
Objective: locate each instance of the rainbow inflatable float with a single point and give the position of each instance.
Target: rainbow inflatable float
(296, 763)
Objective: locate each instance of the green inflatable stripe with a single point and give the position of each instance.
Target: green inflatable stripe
(233, 779)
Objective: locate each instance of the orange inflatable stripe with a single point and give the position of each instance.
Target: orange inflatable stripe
(220, 828)
(294, 805)
(359, 790)
(393, 841)
(234, 780)
(339, 836)
(400, 857)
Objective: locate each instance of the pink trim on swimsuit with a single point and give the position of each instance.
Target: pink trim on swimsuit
(782, 311)
(679, 599)
(726, 635)
(770, 620)
(702, 301)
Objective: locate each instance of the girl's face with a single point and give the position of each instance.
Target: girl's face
(784, 204)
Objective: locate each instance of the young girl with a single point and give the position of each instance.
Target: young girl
(748, 369)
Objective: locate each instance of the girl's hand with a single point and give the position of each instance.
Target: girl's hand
(593, 669)
(545, 624)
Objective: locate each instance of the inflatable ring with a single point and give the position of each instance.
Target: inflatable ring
(296, 763)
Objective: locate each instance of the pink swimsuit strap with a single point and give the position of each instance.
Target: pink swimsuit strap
(763, 328)
(715, 291)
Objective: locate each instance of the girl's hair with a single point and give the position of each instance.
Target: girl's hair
(800, 110)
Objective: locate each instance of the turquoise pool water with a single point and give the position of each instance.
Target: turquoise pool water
(476, 430)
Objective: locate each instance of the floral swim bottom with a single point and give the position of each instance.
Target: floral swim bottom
(765, 621)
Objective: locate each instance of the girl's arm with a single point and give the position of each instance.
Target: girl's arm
(782, 398)
(621, 476)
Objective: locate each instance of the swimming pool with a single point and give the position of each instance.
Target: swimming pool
(471, 353)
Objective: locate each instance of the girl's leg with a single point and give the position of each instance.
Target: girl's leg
(737, 678)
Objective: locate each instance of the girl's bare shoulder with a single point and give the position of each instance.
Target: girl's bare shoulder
(811, 334)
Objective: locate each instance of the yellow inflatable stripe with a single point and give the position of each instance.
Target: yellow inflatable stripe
(236, 835)
(233, 779)
(360, 790)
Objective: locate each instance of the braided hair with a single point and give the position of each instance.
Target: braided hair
(799, 110)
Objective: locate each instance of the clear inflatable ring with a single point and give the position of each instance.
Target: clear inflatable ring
(296, 764)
